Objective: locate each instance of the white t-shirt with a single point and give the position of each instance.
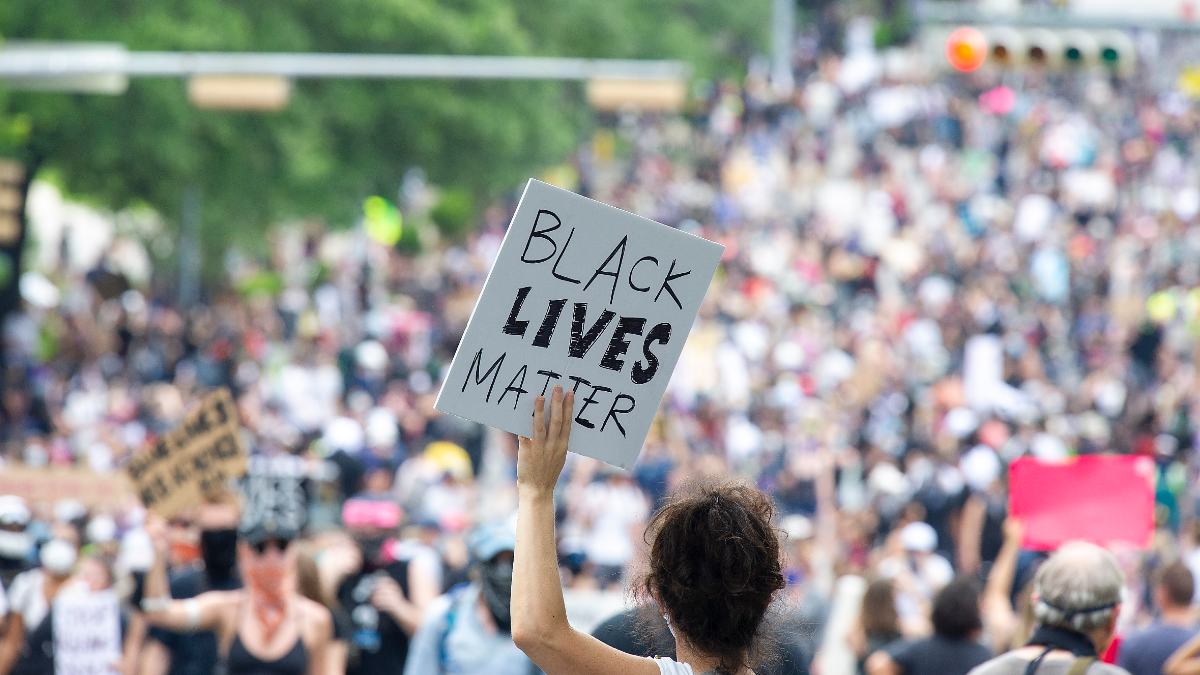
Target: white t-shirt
(614, 512)
(667, 666)
(27, 598)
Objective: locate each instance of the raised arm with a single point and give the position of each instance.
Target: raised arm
(1185, 660)
(539, 616)
(10, 645)
(202, 612)
(826, 522)
(970, 530)
(999, 619)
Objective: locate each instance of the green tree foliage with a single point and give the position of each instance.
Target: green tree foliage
(452, 214)
(336, 141)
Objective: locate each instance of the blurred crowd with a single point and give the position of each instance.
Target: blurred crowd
(926, 277)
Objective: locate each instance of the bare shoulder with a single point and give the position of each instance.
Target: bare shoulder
(315, 614)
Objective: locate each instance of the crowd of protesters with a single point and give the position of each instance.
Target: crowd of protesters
(926, 277)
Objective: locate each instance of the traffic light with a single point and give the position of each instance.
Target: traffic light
(1117, 50)
(1010, 47)
(1007, 47)
(14, 187)
(966, 49)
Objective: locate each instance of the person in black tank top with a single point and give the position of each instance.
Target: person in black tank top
(241, 662)
(249, 620)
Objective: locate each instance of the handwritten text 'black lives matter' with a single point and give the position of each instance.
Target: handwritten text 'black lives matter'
(621, 272)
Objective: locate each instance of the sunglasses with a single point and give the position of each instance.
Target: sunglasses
(281, 545)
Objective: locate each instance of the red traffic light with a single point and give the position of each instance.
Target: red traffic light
(966, 49)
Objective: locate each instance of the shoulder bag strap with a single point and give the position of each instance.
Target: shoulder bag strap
(1080, 665)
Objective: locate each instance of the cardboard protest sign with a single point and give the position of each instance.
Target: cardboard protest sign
(275, 496)
(51, 484)
(1105, 499)
(586, 296)
(204, 452)
(87, 633)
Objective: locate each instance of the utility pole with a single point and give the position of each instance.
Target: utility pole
(189, 247)
(783, 36)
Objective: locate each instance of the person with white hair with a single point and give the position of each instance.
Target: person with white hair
(23, 651)
(981, 529)
(1077, 599)
(918, 571)
(16, 546)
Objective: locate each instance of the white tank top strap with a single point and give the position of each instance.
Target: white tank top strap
(668, 666)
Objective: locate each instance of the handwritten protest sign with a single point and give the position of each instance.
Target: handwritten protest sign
(275, 495)
(49, 485)
(204, 452)
(586, 296)
(87, 633)
(1105, 499)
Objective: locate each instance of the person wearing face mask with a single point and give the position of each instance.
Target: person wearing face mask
(175, 653)
(15, 542)
(383, 588)
(267, 626)
(469, 630)
(28, 646)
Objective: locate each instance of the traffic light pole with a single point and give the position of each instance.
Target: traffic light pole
(33, 61)
(955, 13)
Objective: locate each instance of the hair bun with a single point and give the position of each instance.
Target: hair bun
(715, 567)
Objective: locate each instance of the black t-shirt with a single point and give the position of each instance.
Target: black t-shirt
(350, 473)
(192, 653)
(10, 568)
(622, 631)
(625, 631)
(378, 645)
(37, 652)
(939, 656)
(940, 508)
(342, 628)
(992, 537)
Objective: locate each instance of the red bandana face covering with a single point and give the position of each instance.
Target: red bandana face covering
(265, 577)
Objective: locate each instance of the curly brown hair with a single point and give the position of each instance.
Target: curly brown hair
(715, 567)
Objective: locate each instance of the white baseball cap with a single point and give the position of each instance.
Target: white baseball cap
(919, 537)
(13, 511)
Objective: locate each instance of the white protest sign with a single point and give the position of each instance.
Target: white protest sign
(87, 633)
(587, 296)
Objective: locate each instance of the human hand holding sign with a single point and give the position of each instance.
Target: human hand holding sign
(539, 615)
(540, 458)
(160, 537)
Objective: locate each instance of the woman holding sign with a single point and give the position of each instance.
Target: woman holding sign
(714, 569)
(267, 626)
